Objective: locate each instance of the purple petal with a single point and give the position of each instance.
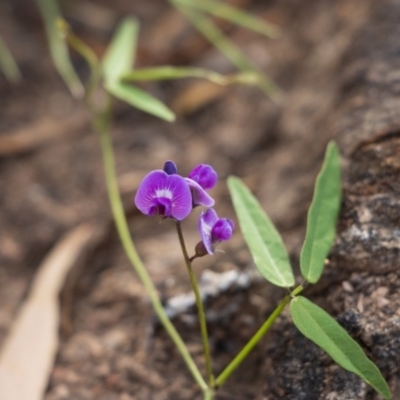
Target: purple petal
(162, 187)
(170, 167)
(210, 217)
(161, 206)
(222, 230)
(147, 190)
(204, 175)
(200, 196)
(182, 197)
(205, 230)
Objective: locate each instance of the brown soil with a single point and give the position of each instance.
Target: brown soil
(112, 347)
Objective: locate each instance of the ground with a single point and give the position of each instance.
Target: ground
(336, 62)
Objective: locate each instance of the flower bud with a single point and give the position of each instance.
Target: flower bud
(170, 168)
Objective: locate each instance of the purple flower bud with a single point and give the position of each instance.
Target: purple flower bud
(170, 167)
(214, 230)
(204, 175)
(166, 195)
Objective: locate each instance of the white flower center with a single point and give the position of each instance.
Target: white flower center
(167, 193)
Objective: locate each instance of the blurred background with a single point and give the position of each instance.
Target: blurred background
(51, 182)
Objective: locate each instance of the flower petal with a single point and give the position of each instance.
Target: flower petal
(205, 229)
(222, 230)
(147, 190)
(181, 197)
(204, 175)
(161, 206)
(200, 196)
(210, 217)
(159, 185)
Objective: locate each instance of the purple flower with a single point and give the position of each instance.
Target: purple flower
(166, 195)
(204, 175)
(213, 231)
(200, 179)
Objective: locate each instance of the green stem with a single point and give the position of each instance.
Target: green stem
(209, 394)
(102, 126)
(200, 308)
(226, 373)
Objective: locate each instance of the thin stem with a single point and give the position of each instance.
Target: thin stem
(200, 308)
(50, 11)
(209, 394)
(102, 126)
(191, 259)
(226, 373)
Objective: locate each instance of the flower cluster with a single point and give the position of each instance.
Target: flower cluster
(169, 195)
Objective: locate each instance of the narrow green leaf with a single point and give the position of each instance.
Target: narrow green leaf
(168, 72)
(140, 99)
(322, 216)
(318, 326)
(120, 55)
(8, 64)
(51, 13)
(209, 30)
(265, 244)
(118, 60)
(233, 14)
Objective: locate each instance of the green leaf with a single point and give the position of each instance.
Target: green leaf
(265, 244)
(168, 72)
(233, 14)
(318, 326)
(119, 57)
(322, 216)
(233, 53)
(8, 64)
(50, 11)
(118, 60)
(140, 99)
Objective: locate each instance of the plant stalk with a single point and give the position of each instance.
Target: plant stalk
(200, 308)
(209, 394)
(241, 356)
(102, 126)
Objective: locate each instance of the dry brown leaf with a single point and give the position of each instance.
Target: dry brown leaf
(28, 354)
(195, 96)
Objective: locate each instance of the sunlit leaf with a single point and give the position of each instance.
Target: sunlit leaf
(233, 14)
(118, 60)
(318, 326)
(265, 244)
(140, 99)
(168, 72)
(120, 55)
(51, 13)
(322, 216)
